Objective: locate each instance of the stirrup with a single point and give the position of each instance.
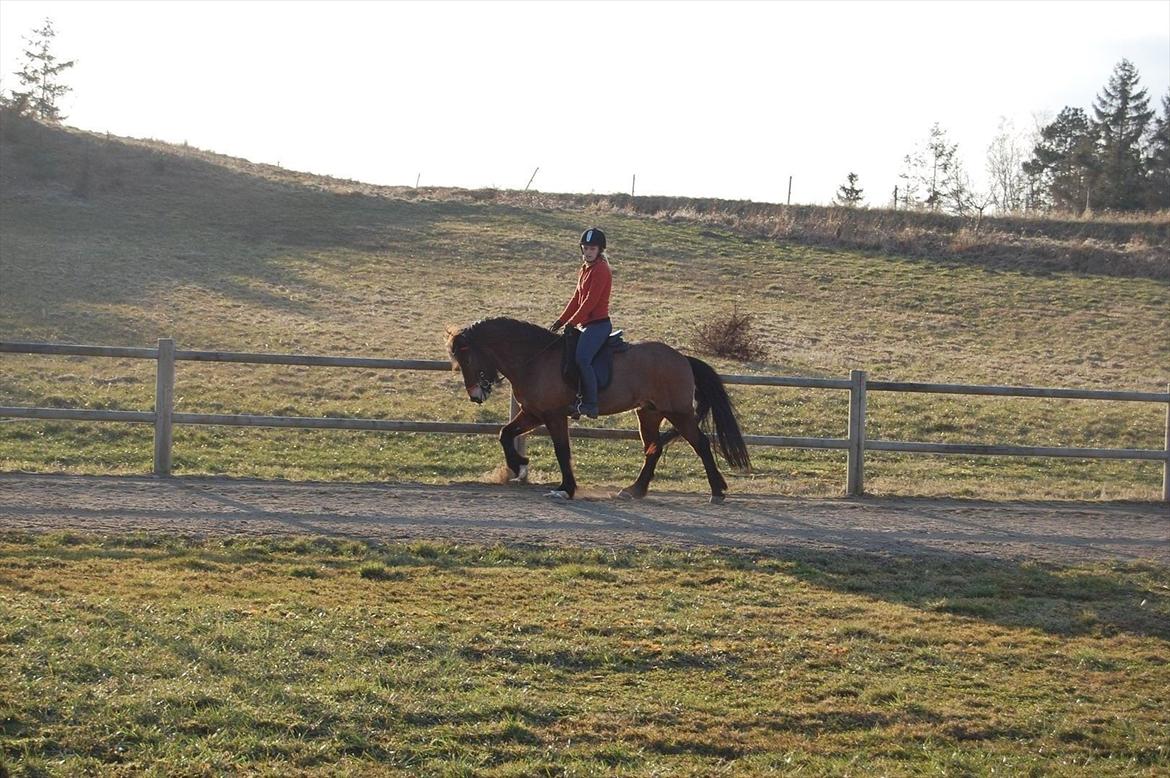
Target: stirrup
(592, 411)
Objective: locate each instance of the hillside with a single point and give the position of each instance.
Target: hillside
(119, 241)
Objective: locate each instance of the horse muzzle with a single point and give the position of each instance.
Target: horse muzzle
(476, 394)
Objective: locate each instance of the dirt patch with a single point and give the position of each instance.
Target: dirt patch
(481, 513)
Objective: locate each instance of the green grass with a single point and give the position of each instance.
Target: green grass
(218, 255)
(143, 654)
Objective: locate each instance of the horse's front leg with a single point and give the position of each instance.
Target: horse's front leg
(522, 422)
(558, 430)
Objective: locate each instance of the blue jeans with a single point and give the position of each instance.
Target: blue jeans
(591, 340)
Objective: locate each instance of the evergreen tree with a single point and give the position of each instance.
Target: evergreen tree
(849, 194)
(40, 78)
(908, 188)
(1064, 163)
(1158, 160)
(939, 168)
(932, 175)
(1122, 117)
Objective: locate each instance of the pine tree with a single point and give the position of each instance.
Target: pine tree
(40, 78)
(1064, 163)
(908, 188)
(1158, 160)
(935, 170)
(1122, 117)
(849, 194)
(940, 166)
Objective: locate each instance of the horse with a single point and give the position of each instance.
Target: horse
(651, 378)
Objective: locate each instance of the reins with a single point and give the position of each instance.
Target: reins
(556, 339)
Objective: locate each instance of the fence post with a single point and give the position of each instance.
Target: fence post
(164, 401)
(521, 441)
(856, 481)
(1166, 464)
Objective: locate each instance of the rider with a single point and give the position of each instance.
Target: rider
(588, 311)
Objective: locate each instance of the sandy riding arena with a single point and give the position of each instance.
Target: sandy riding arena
(476, 513)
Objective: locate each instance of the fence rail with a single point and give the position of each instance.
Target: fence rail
(856, 444)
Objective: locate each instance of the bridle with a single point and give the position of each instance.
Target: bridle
(485, 384)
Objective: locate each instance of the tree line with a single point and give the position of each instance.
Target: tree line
(1114, 158)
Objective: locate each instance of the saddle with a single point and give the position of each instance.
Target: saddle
(602, 363)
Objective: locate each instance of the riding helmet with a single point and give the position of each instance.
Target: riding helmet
(593, 237)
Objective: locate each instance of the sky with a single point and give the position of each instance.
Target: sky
(696, 99)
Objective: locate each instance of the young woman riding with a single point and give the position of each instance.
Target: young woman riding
(588, 311)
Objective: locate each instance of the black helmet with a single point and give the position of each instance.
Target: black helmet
(593, 237)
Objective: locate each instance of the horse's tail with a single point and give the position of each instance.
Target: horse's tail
(711, 399)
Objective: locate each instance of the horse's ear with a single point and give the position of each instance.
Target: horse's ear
(453, 333)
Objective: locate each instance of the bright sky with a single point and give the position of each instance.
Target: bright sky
(696, 98)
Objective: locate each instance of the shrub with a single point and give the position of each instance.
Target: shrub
(376, 571)
(731, 336)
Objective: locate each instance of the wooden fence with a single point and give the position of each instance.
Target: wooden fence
(855, 443)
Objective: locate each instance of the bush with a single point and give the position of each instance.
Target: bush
(376, 571)
(731, 336)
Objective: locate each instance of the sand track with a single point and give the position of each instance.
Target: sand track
(481, 513)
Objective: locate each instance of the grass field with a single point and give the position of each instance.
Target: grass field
(114, 242)
(134, 655)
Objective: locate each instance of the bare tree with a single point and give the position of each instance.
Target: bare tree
(963, 199)
(1036, 194)
(1007, 184)
(908, 188)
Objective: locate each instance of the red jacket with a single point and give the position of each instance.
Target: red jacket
(591, 300)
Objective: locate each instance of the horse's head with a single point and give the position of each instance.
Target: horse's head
(478, 369)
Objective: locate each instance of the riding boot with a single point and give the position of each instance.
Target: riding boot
(587, 403)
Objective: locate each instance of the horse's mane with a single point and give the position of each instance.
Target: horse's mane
(525, 335)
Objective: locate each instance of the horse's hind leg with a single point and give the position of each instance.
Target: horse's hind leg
(688, 427)
(522, 422)
(652, 445)
(558, 430)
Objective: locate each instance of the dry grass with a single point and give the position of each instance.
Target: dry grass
(1118, 244)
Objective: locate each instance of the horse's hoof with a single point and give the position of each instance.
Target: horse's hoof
(717, 499)
(624, 495)
(520, 477)
(558, 494)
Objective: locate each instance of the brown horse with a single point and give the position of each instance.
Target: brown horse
(652, 379)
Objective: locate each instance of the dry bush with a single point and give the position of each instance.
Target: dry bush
(731, 336)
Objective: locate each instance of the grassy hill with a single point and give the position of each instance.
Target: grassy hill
(119, 242)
